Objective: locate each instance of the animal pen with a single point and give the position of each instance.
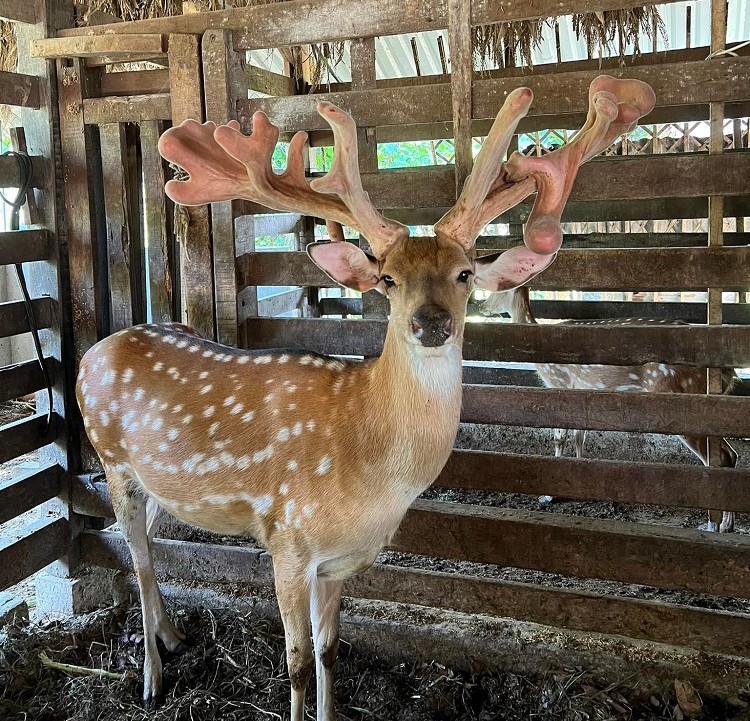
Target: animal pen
(105, 249)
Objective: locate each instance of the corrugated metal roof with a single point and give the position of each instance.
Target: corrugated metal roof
(394, 56)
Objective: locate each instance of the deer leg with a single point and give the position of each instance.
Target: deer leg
(722, 521)
(579, 438)
(293, 592)
(560, 439)
(130, 509)
(325, 609)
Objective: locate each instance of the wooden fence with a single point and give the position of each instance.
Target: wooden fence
(204, 267)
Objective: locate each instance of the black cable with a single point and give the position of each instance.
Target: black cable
(25, 170)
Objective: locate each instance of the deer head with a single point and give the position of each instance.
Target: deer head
(427, 280)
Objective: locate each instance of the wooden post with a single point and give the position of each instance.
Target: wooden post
(196, 267)
(462, 69)
(374, 305)
(716, 225)
(160, 241)
(118, 224)
(223, 83)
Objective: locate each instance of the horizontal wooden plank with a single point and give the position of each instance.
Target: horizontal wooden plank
(36, 546)
(21, 11)
(660, 484)
(273, 224)
(29, 490)
(23, 246)
(93, 45)
(269, 26)
(673, 413)
(732, 313)
(699, 628)
(134, 82)
(24, 436)
(720, 346)
(618, 240)
(13, 316)
(264, 81)
(126, 109)
(279, 303)
(562, 93)
(593, 210)
(615, 269)
(661, 556)
(9, 171)
(19, 90)
(23, 378)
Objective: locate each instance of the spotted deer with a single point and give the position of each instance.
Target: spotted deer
(316, 458)
(646, 378)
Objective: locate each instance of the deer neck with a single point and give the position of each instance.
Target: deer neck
(414, 406)
(520, 311)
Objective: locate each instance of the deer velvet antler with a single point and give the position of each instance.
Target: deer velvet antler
(224, 164)
(494, 187)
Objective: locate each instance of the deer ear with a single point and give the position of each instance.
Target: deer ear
(511, 269)
(346, 264)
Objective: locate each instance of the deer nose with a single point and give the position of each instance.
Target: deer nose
(431, 325)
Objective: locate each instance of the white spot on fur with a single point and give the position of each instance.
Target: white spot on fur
(208, 412)
(305, 360)
(266, 453)
(262, 359)
(228, 401)
(104, 418)
(284, 358)
(289, 511)
(172, 434)
(163, 447)
(291, 406)
(237, 408)
(291, 389)
(203, 374)
(283, 434)
(247, 417)
(268, 398)
(114, 406)
(310, 425)
(186, 419)
(292, 465)
(212, 430)
(206, 389)
(127, 375)
(284, 489)
(324, 466)
(109, 378)
(243, 359)
(139, 393)
(158, 366)
(158, 423)
(297, 430)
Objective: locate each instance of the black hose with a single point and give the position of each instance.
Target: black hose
(25, 172)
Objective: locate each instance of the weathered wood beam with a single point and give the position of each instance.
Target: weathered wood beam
(675, 84)
(28, 490)
(127, 109)
(23, 246)
(13, 320)
(279, 303)
(100, 45)
(660, 556)
(41, 543)
(136, 82)
(21, 11)
(705, 629)
(19, 90)
(660, 484)
(23, 378)
(26, 435)
(618, 240)
(269, 26)
(720, 346)
(10, 174)
(264, 81)
(610, 269)
(672, 413)
(734, 313)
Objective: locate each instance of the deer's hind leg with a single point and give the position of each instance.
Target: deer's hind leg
(722, 521)
(129, 505)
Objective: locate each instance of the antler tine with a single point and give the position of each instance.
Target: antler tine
(466, 219)
(614, 108)
(344, 180)
(225, 164)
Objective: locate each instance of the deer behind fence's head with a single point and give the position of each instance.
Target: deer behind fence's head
(316, 458)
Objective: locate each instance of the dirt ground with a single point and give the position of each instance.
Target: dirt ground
(234, 671)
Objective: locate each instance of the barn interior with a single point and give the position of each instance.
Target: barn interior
(523, 584)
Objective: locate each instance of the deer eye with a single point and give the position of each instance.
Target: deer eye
(389, 282)
(463, 276)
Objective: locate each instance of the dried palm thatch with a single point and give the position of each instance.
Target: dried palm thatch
(502, 43)
(313, 62)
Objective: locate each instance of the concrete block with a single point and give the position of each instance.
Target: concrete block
(12, 608)
(59, 597)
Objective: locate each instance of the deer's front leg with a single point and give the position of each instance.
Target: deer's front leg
(293, 589)
(325, 609)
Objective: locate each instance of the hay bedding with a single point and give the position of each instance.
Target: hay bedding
(234, 671)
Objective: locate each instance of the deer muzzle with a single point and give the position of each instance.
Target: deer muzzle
(431, 325)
